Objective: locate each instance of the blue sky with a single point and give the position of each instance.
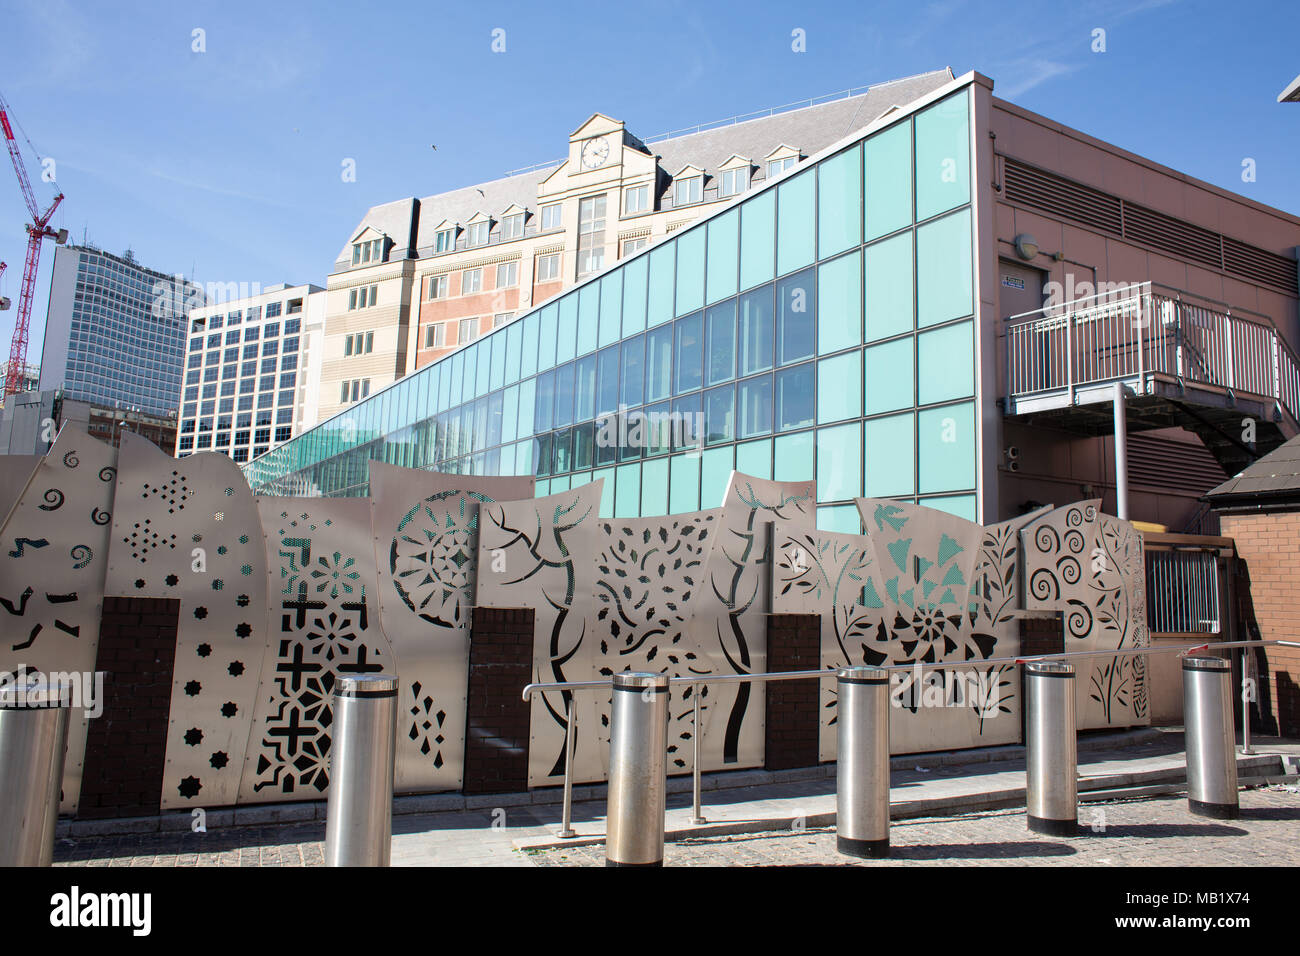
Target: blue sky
(225, 164)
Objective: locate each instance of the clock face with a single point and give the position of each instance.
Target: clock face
(594, 153)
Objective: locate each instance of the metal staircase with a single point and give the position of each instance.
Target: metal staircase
(1225, 374)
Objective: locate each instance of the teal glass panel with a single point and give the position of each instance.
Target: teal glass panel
(843, 519)
(527, 400)
(562, 410)
(654, 487)
(627, 491)
(566, 333)
(890, 456)
(684, 483)
(584, 388)
(546, 337)
(794, 397)
(945, 363)
(607, 493)
(963, 506)
(715, 472)
(588, 317)
(659, 304)
(945, 439)
(514, 337)
(755, 458)
(724, 256)
(757, 321)
(839, 304)
(421, 408)
(688, 353)
(942, 157)
(510, 414)
(632, 373)
(888, 279)
(611, 307)
(559, 484)
(839, 202)
(796, 244)
(690, 271)
(889, 376)
(584, 446)
(839, 462)
(635, 275)
(943, 269)
(720, 343)
(483, 379)
(754, 406)
(888, 169)
(498, 377)
(524, 458)
(757, 239)
(528, 356)
(720, 414)
(794, 457)
(839, 387)
(796, 311)
(659, 364)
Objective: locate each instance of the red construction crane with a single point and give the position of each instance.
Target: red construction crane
(37, 230)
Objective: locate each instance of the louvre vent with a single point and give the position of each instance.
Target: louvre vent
(1063, 197)
(1178, 466)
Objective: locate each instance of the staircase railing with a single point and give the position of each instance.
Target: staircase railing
(1146, 329)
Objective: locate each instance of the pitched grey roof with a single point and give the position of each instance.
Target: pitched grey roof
(808, 129)
(1276, 475)
(395, 220)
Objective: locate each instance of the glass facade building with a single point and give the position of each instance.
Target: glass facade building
(821, 327)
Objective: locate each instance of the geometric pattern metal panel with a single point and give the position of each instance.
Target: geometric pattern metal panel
(540, 554)
(55, 550)
(188, 529)
(324, 624)
(426, 548)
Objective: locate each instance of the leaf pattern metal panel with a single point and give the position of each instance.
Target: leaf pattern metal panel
(188, 529)
(426, 529)
(52, 563)
(539, 554)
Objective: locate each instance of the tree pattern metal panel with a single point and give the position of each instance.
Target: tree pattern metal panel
(1090, 567)
(188, 529)
(426, 529)
(324, 624)
(539, 554)
(55, 550)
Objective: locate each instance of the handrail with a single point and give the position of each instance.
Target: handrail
(566, 830)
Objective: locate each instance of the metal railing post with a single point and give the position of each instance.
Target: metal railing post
(638, 777)
(697, 816)
(566, 824)
(359, 810)
(1246, 695)
(1211, 749)
(1069, 355)
(1051, 784)
(862, 771)
(33, 740)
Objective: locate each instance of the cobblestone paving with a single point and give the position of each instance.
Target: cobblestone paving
(300, 844)
(1149, 832)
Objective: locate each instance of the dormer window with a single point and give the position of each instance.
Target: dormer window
(776, 167)
(512, 227)
(689, 190)
(370, 251)
(444, 240)
(477, 233)
(734, 182)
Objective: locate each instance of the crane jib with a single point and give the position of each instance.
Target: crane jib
(4, 121)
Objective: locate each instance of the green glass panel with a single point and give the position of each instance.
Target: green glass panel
(945, 439)
(724, 256)
(890, 456)
(794, 457)
(611, 307)
(843, 519)
(588, 317)
(839, 462)
(715, 472)
(690, 271)
(945, 363)
(839, 388)
(635, 275)
(888, 278)
(839, 304)
(542, 488)
(796, 244)
(498, 377)
(528, 356)
(546, 337)
(889, 376)
(510, 414)
(524, 458)
(943, 269)
(514, 337)
(684, 483)
(963, 506)
(755, 458)
(607, 493)
(839, 202)
(888, 169)
(566, 333)
(654, 487)
(942, 157)
(659, 306)
(757, 239)
(627, 491)
(484, 377)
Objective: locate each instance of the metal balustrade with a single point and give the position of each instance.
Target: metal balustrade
(1142, 331)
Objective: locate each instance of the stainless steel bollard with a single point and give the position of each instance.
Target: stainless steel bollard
(1211, 746)
(638, 770)
(33, 739)
(1051, 767)
(359, 812)
(862, 771)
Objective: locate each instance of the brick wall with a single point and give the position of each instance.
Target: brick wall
(792, 706)
(496, 735)
(1268, 548)
(127, 744)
